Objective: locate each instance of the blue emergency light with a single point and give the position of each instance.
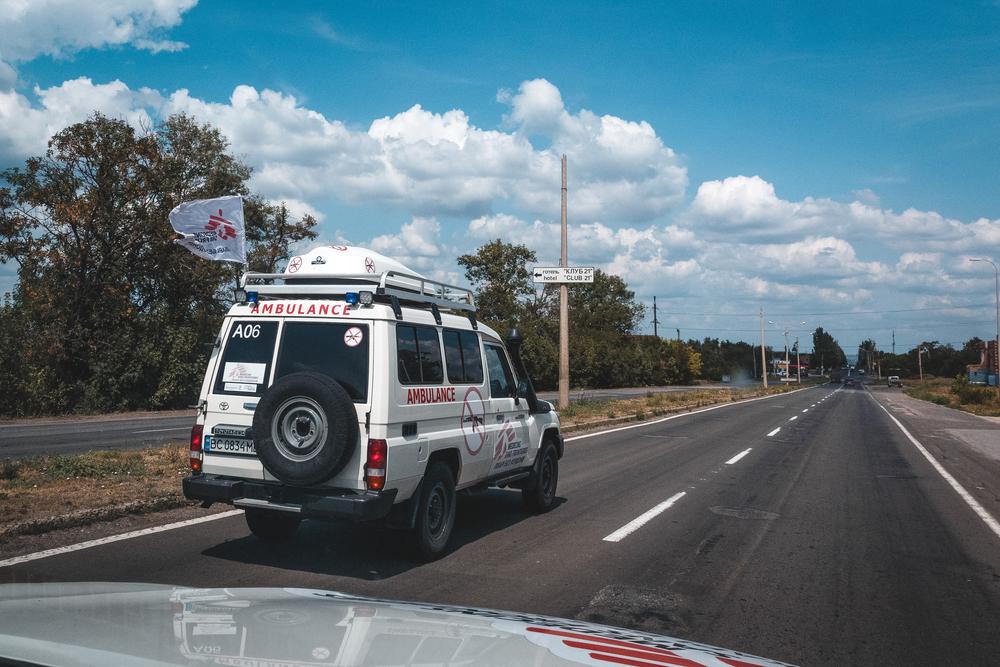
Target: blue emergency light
(251, 297)
(351, 298)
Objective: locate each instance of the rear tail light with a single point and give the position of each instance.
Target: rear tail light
(378, 459)
(196, 455)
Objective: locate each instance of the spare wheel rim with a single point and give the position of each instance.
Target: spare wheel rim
(299, 428)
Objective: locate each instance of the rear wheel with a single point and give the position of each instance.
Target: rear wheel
(271, 525)
(435, 512)
(540, 496)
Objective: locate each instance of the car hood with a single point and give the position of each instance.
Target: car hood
(144, 624)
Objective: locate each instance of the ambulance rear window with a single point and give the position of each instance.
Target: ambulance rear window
(246, 359)
(337, 350)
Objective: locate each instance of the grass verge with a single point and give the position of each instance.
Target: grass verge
(982, 401)
(48, 492)
(593, 413)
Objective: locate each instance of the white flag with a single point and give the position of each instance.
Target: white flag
(212, 228)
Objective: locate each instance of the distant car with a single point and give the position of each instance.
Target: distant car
(894, 381)
(849, 382)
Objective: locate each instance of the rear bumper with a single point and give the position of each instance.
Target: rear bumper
(307, 503)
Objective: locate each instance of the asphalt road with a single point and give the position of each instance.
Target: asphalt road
(804, 527)
(72, 436)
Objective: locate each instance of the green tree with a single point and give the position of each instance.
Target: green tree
(501, 279)
(108, 312)
(826, 351)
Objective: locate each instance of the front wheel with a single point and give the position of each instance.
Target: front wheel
(435, 512)
(540, 497)
(271, 525)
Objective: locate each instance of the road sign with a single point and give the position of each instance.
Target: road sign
(563, 274)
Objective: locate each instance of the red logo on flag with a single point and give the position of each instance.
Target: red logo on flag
(225, 228)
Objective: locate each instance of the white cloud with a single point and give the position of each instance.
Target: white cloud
(59, 28)
(25, 128)
(423, 162)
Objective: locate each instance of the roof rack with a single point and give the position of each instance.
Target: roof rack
(393, 286)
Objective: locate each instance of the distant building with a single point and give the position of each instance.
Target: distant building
(986, 371)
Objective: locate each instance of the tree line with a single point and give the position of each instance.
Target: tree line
(604, 347)
(108, 314)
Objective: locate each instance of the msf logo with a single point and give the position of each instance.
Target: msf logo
(225, 228)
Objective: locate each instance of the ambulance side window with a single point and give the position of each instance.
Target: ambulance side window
(463, 357)
(418, 351)
(501, 377)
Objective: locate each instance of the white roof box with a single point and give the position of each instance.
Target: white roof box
(333, 271)
(344, 260)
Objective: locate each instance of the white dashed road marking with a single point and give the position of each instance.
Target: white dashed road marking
(641, 520)
(773, 432)
(738, 456)
(17, 560)
(791, 419)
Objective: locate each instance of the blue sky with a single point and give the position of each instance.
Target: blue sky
(805, 158)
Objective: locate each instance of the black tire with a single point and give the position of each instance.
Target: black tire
(271, 525)
(435, 512)
(540, 496)
(305, 429)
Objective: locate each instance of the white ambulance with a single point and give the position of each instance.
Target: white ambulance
(349, 387)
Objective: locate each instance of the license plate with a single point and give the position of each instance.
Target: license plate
(218, 445)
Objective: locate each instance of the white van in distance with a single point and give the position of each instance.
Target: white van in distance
(349, 387)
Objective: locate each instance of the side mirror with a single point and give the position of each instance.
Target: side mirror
(522, 389)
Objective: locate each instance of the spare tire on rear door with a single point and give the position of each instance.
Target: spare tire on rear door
(305, 428)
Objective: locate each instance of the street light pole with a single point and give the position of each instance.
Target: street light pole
(763, 360)
(996, 275)
(798, 361)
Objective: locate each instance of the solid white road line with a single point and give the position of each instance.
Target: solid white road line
(17, 560)
(773, 432)
(987, 518)
(738, 456)
(685, 414)
(791, 419)
(638, 522)
(161, 430)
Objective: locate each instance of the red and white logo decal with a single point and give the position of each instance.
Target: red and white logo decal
(594, 649)
(369, 265)
(474, 421)
(295, 264)
(353, 337)
(341, 248)
(216, 222)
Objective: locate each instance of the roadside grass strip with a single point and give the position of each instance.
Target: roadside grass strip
(660, 420)
(644, 518)
(980, 511)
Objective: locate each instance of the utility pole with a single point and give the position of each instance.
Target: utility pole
(798, 362)
(563, 303)
(656, 334)
(763, 360)
(920, 363)
(894, 342)
(788, 375)
(678, 335)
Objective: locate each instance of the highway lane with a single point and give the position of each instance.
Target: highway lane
(830, 541)
(72, 436)
(35, 437)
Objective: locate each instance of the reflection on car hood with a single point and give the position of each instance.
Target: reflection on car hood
(144, 624)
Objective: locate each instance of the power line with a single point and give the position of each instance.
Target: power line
(833, 312)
